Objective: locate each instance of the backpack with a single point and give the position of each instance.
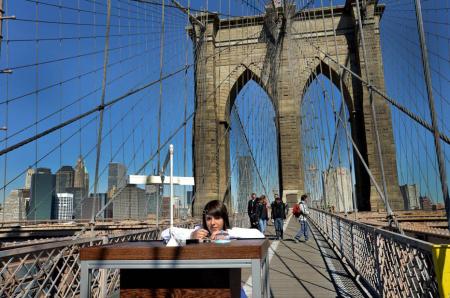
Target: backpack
(296, 210)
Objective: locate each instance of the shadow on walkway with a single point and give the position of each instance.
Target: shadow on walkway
(305, 269)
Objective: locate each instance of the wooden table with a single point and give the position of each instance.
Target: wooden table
(150, 269)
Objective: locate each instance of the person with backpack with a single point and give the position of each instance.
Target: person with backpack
(278, 216)
(302, 212)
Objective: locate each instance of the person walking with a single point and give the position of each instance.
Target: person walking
(304, 227)
(262, 213)
(278, 216)
(251, 210)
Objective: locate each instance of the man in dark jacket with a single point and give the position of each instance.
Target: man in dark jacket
(251, 210)
(278, 216)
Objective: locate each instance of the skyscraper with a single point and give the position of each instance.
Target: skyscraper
(189, 195)
(93, 203)
(425, 203)
(338, 189)
(15, 205)
(130, 203)
(64, 179)
(410, 196)
(63, 206)
(81, 178)
(245, 184)
(28, 175)
(117, 175)
(78, 199)
(42, 195)
(151, 196)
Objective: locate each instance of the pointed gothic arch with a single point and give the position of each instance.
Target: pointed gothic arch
(229, 52)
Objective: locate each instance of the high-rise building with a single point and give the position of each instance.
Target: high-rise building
(42, 195)
(410, 196)
(425, 203)
(28, 175)
(81, 177)
(15, 205)
(63, 206)
(189, 195)
(117, 175)
(338, 189)
(130, 203)
(78, 198)
(64, 179)
(245, 184)
(165, 207)
(151, 193)
(93, 203)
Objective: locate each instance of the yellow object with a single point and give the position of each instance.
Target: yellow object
(441, 260)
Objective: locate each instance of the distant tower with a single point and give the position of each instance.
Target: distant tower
(63, 206)
(117, 175)
(64, 179)
(81, 178)
(42, 195)
(338, 189)
(245, 184)
(130, 203)
(28, 175)
(15, 205)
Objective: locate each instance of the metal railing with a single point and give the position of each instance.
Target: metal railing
(389, 264)
(52, 269)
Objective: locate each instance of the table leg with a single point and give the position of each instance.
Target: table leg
(256, 278)
(85, 280)
(266, 274)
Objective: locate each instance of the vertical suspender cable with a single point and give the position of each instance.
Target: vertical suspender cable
(340, 74)
(100, 128)
(161, 60)
(171, 185)
(374, 115)
(5, 128)
(1, 23)
(36, 97)
(185, 104)
(437, 142)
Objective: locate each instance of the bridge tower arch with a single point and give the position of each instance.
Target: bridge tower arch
(270, 50)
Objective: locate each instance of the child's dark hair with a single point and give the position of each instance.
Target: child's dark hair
(216, 208)
(304, 197)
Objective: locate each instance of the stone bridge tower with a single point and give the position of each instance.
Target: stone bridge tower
(283, 51)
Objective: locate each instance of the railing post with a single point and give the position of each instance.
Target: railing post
(332, 229)
(103, 280)
(378, 265)
(353, 246)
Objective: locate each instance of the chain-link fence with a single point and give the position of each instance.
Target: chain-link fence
(53, 269)
(389, 264)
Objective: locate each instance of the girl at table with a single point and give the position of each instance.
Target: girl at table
(215, 225)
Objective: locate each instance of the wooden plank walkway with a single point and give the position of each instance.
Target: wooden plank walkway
(305, 269)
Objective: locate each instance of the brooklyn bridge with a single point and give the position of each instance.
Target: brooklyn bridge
(120, 120)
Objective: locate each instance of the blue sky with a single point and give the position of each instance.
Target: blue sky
(72, 32)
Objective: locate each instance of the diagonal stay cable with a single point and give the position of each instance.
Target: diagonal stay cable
(99, 107)
(392, 101)
(96, 109)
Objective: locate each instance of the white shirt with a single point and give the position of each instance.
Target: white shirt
(234, 233)
(305, 211)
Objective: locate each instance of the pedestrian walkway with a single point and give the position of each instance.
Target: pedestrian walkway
(305, 269)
